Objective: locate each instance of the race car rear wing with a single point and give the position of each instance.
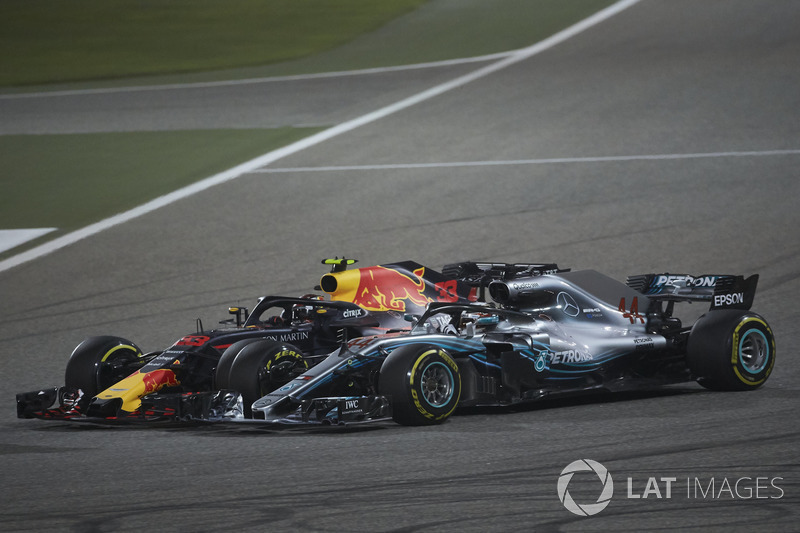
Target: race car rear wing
(724, 291)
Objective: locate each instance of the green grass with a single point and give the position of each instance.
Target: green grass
(127, 42)
(45, 41)
(69, 181)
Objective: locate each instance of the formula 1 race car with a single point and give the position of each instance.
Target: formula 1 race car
(543, 331)
(108, 377)
(549, 332)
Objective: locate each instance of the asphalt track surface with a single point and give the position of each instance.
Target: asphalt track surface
(665, 77)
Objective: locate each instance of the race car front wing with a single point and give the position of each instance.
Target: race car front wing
(64, 403)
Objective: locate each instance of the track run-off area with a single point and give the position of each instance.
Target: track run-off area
(658, 136)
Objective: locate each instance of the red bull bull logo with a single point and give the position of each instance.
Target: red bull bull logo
(402, 287)
(386, 289)
(139, 384)
(379, 288)
(158, 379)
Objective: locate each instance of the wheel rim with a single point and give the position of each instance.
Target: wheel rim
(754, 351)
(437, 384)
(279, 374)
(108, 373)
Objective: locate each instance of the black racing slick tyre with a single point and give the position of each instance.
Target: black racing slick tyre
(731, 350)
(423, 382)
(99, 362)
(263, 366)
(223, 370)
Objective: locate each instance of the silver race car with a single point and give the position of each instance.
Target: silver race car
(543, 331)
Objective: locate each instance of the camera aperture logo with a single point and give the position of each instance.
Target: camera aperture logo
(585, 509)
(746, 487)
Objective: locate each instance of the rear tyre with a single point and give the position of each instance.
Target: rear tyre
(731, 350)
(263, 366)
(99, 362)
(223, 370)
(423, 382)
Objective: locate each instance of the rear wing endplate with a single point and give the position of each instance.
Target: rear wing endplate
(723, 291)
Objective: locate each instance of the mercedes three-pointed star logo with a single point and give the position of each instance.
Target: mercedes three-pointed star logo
(567, 304)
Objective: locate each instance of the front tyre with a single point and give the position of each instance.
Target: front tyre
(223, 371)
(731, 350)
(263, 366)
(423, 382)
(99, 362)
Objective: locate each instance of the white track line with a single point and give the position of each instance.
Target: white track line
(271, 157)
(11, 238)
(550, 161)
(252, 81)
